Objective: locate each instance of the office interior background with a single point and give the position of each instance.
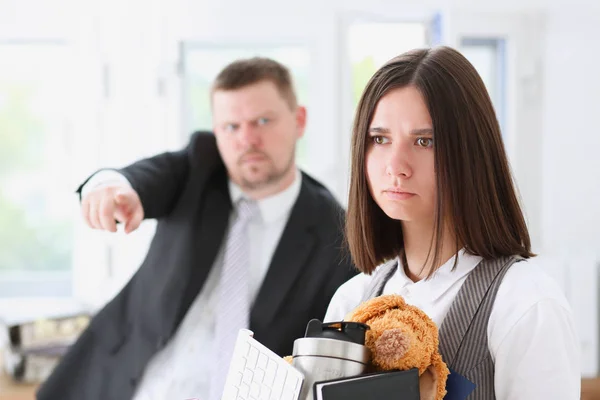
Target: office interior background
(91, 84)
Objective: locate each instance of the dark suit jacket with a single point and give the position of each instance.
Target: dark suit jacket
(187, 193)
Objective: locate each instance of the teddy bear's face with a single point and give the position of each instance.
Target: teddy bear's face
(401, 339)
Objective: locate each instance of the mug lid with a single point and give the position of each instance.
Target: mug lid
(340, 330)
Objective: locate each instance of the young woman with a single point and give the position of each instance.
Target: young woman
(433, 216)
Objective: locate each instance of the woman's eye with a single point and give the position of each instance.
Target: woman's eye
(425, 142)
(263, 121)
(379, 140)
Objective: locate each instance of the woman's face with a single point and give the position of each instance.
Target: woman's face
(399, 157)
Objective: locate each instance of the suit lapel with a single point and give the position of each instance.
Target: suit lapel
(212, 221)
(289, 259)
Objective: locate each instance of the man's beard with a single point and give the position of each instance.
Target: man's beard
(272, 177)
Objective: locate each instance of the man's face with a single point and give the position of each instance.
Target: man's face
(256, 131)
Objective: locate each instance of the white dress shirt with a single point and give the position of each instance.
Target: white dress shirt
(531, 332)
(182, 369)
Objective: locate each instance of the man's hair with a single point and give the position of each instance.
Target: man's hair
(245, 72)
(475, 193)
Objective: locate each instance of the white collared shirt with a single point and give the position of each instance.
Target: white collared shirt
(182, 369)
(531, 332)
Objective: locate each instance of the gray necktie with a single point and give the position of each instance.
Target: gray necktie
(233, 309)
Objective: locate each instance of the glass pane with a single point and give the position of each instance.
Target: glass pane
(35, 199)
(371, 45)
(202, 64)
(487, 56)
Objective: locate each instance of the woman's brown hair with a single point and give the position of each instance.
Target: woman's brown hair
(475, 192)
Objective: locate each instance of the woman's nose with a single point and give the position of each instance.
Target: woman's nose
(398, 163)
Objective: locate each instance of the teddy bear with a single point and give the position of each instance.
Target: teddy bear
(401, 337)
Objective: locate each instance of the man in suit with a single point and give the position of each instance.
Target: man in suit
(159, 337)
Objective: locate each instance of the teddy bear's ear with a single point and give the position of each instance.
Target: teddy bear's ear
(374, 307)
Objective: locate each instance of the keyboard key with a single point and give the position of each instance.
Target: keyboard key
(244, 391)
(270, 373)
(262, 361)
(279, 382)
(237, 364)
(290, 383)
(259, 375)
(247, 379)
(287, 396)
(246, 348)
(238, 379)
(265, 393)
(289, 388)
(252, 357)
(254, 390)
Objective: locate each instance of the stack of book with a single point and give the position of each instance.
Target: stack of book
(35, 347)
(375, 386)
(387, 385)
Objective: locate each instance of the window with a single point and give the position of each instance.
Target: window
(488, 57)
(201, 64)
(372, 44)
(36, 200)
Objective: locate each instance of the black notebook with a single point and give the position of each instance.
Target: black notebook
(398, 385)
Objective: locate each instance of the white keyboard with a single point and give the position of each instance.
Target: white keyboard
(257, 373)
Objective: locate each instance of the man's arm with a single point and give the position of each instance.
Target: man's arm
(146, 189)
(101, 178)
(159, 181)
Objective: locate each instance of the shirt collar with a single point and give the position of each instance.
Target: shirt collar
(273, 207)
(443, 279)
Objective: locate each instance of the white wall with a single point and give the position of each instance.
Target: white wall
(570, 200)
(571, 141)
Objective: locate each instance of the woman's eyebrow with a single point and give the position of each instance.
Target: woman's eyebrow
(422, 131)
(378, 129)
